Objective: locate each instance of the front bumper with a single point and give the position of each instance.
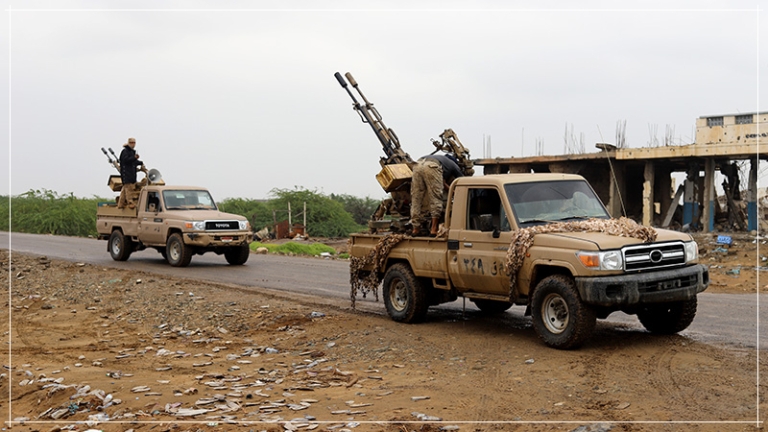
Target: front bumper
(642, 288)
(217, 239)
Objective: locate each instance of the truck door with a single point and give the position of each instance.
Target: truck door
(151, 220)
(478, 264)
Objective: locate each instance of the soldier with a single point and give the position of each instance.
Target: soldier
(129, 163)
(431, 175)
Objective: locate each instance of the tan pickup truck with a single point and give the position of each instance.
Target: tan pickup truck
(544, 241)
(177, 221)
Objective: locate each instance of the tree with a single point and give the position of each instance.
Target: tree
(361, 209)
(258, 212)
(325, 216)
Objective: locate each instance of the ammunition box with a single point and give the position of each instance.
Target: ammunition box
(115, 183)
(393, 176)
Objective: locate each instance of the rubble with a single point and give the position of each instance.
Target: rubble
(362, 367)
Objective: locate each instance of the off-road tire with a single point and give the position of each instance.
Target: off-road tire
(668, 318)
(238, 255)
(177, 253)
(404, 296)
(491, 307)
(120, 246)
(560, 318)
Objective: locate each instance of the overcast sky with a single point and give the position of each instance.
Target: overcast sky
(240, 96)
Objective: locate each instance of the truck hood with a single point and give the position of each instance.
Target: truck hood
(600, 241)
(203, 215)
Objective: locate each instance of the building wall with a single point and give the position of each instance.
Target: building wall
(724, 129)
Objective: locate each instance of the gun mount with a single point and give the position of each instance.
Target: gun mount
(395, 176)
(115, 181)
(450, 143)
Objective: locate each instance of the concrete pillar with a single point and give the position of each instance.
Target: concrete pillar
(752, 198)
(708, 201)
(663, 191)
(688, 198)
(617, 191)
(648, 208)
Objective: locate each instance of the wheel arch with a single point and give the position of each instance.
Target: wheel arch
(393, 261)
(542, 271)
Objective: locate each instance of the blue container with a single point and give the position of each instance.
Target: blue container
(724, 240)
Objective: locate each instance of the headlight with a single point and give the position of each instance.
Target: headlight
(691, 251)
(244, 225)
(195, 225)
(609, 260)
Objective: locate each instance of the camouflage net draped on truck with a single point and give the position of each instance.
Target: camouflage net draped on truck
(522, 239)
(376, 257)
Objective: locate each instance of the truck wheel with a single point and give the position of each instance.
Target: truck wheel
(559, 317)
(120, 247)
(178, 254)
(491, 307)
(668, 318)
(404, 297)
(238, 255)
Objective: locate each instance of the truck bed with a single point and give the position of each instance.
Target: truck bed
(112, 210)
(427, 255)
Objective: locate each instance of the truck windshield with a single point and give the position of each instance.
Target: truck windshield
(542, 202)
(188, 200)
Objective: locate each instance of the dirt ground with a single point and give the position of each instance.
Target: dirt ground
(95, 348)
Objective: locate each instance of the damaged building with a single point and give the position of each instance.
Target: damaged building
(673, 186)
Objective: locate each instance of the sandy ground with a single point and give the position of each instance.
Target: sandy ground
(102, 349)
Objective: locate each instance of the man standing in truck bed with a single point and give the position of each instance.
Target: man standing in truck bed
(129, 161)
(431, 175)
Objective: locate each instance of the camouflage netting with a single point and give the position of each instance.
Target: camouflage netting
(377, 258)
(523, 239)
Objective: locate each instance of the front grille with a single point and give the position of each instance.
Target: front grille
(653, 256)
(668, 284)
(221, 225)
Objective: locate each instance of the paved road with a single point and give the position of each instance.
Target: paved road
(723, 319)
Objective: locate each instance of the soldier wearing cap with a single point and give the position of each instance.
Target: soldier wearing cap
(129, 164)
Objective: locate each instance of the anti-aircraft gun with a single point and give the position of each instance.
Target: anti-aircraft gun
(396, 173)
(115, 182)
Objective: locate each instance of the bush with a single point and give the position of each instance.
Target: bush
(46, 212)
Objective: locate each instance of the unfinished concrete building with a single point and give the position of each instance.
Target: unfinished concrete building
(639, 182)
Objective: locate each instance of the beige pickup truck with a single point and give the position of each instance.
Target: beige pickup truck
(177, 221)
(543, 241)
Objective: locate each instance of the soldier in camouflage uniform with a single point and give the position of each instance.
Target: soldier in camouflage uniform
(431, 175)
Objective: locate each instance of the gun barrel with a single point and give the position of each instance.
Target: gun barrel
(351, 79)
(370, 115)
(340, 79)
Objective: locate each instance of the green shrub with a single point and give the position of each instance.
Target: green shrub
(46, 212)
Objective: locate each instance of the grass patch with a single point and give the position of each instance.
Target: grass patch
(293, 248)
